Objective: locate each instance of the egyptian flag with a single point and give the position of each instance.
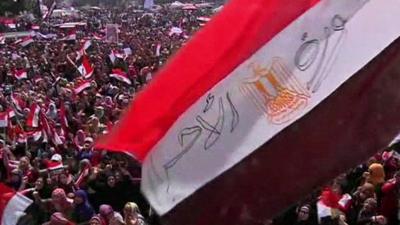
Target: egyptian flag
(81, 86)
(17, 102)
(330, 204)
(86, 69)
(26, 41)
(71, 36)
(50, 130)
(269, 100)
(116, 55)
(86, 44)
(63, 117)
(20, 74)
(35, 135)
(12, 205)
(120, 75)
(33, 116)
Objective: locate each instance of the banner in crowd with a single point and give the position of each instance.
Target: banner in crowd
(220, 108)
(112, 33)
(148, 4)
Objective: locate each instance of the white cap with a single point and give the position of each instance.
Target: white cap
(89, 139)
(56, 157)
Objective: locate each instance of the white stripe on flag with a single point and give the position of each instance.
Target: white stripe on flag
(15, 209)
(280, 83)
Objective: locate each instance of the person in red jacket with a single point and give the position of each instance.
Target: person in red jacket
(390, 199)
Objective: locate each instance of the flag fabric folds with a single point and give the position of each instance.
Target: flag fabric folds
(20, 74)
(79, 87)
(86, 69)
(245, 79)
(120, 75)
(33, 116)
(12, 205)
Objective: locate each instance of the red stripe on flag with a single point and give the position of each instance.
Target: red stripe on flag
(233, 35)
(33, 117)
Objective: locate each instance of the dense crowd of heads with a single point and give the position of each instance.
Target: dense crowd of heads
(48, 127)
(366, 195)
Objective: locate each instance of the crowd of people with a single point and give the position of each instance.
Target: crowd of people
(52, 111)
(366, 195)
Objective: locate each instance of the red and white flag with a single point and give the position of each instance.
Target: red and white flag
(86, 68)
(209, 109)
(10, 113)
(33, 117)
(4, 119)
(37, 79)
(20, 74)
(35, 135)
(26, 41)
(71, 36)
(86, 45)
(55, 167)
(82, 86)
(49, 130)
(332, 204)
(63, 117)
(17, 102)
(35, 27)
(12, 205)
(120, 75)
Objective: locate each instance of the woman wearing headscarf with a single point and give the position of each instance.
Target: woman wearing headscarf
(61, 203)
(83, 211)
(132, 214)
(52, 111)
(40, 191)
(109, 217)
(79, 139)
(65, 181)
(105, 192)
(82, 177)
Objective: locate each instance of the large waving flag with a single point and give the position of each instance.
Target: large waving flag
(260, 75)
(12, 205)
